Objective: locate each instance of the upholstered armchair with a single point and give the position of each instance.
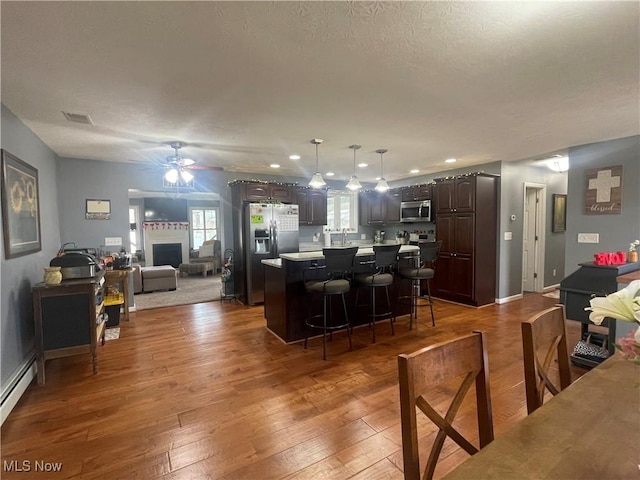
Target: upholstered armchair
(209, 252)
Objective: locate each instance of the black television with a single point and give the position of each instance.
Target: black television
(165, 210)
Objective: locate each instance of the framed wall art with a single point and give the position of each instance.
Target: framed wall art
(559, 214)
(603, 191)
(98, 210)
(20, 207)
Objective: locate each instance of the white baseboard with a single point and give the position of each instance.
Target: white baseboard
(550, 288)
(509, 299)
(13, 397)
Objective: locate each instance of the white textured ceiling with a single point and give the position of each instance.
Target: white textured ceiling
(245, 84)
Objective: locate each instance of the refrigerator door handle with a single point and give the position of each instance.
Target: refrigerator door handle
(274, 238)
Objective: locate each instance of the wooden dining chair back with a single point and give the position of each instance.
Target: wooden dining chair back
(419, 373)
(544, 339)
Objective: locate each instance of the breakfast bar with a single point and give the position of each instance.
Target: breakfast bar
(286, 303)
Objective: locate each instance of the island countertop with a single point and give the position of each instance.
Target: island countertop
(362, 251)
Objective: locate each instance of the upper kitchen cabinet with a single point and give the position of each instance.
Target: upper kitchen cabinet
(455, 194)
(416, 193)
(313, 205)
(266, 191)
(377, 208)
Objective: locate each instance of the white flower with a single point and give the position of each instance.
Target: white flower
(621, 305)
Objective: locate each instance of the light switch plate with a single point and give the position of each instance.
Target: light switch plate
(112, 241)
(588, 238)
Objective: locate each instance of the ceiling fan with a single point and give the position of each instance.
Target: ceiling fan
(178, 166)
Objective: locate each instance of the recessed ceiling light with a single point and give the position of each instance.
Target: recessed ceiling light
(294, 157)
(415, 170)
(450, 160)
(362, 165)
(329, 174)
(274, 165)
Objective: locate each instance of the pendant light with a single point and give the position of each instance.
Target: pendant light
(382, 185)
(354, 183)
(317, 181)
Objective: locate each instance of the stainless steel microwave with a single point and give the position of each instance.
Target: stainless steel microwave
(419, 211)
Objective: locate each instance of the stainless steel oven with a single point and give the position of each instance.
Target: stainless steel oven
(419, 211)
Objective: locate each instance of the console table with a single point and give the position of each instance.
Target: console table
(68, 320)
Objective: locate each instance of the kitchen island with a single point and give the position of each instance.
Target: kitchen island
(286, 304)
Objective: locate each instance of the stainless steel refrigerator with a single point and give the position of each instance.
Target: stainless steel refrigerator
(269, 230)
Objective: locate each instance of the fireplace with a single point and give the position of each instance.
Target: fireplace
(167, 254)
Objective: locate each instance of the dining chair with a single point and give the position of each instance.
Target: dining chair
(544, 338)
(420, 373)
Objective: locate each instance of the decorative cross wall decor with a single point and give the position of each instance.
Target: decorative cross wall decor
(603, 191)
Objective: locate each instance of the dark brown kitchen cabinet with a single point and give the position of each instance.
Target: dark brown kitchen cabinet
(455, 194)
(466, 265)
(377, 208)
(416, 193)
(313, 205)
(256, 192)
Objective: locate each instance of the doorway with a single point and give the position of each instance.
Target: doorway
(533, 234)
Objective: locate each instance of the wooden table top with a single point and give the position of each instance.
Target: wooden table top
(590, 430)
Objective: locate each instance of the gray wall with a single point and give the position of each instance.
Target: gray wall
(514, 177)
(17, 345)
(616, 231)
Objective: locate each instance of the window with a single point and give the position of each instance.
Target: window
(342, 211)
(204, 225)
(134, 229)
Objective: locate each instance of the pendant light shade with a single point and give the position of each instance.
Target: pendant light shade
(354, 183)
(317, 181)
(382, 185)
(172, 175)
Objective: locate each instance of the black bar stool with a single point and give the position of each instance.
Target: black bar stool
(332, 278)
(380, 275)
(424, 271)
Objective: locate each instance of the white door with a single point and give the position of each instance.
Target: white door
(529, 240)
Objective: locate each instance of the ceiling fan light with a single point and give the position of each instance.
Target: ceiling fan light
(317, 181)
(171, 176)
(382, 185)
(186, 176)
(354, 183)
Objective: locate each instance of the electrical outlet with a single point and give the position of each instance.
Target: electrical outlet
(112, 241)
(554, 272)
(588, 238)
(508, 235)
(363, 236)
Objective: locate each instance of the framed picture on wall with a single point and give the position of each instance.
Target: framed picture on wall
(20, 207)
(559, 214)
(98, 210)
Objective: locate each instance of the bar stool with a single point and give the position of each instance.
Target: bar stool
(332, 278)
(380, 275)
(425, 270)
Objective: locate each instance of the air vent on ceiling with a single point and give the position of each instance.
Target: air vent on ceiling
(78, 118)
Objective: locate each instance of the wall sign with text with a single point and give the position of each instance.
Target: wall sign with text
(603, 191)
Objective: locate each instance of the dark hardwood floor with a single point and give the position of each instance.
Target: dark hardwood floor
(205, 391)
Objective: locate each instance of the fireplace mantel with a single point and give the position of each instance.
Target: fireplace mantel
(165, 232)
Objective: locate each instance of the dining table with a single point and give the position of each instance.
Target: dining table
(590, 430)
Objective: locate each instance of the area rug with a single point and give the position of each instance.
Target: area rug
(112, 333)
(191, 289)
(552, 294)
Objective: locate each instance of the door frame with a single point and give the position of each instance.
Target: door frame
(539, 254)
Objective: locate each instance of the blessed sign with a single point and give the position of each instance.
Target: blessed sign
(603, 191)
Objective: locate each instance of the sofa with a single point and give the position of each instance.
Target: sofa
(209, 252)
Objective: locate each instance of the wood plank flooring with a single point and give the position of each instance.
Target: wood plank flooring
(205, 391)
